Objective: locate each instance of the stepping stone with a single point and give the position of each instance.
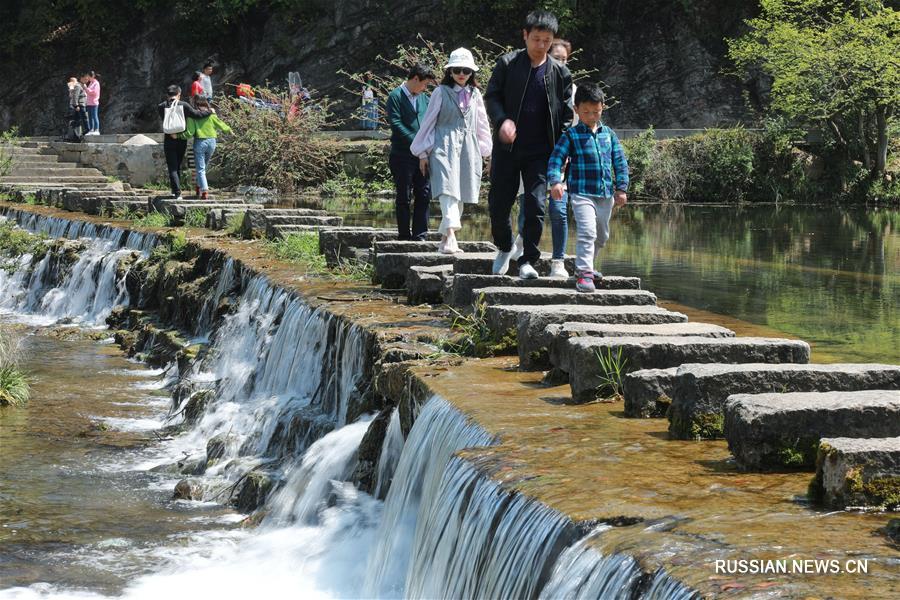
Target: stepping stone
(648, 392)
(502, 318)
(391, 268)
(858, 473)
(464, 283)
(425, 285)
(256, 223)
(536, 352)
(396, 246)
(477, 264)
(178, 210)
(579, 359)
(337, 243)
(774, 431)
(521, 296)
(699, 392)
(66, 179)
(276, 232)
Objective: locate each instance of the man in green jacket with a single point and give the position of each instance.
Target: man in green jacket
(405, 110)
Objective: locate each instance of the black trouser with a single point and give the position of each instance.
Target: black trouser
(407, 175)
(174, 149)
(506, 170)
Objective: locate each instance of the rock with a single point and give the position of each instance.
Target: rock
(139, 140)
(217, 446)
(589, 381)
(366, 471)
(463, 284)
(253, 225)
(530, 296)
(773, 431)
(188, 489)
(391, 268)
(396, 246)
(482, 264)
(502, 318)
(648, 392)
(425, 285)
(196, 405)
(858, 473)
(252, 491)
(699, 391)
(534, 352)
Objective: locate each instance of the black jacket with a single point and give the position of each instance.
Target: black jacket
(189, 111)
(506, 89)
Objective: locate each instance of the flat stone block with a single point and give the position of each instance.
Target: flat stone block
(699, 391)
(465, 283)
(579, 358)
(425, 285)
(554, 337)
(776, 431)
(391, 269)
(396, 246)
(648, 392)
(543, 296)
(858, 473)
(502, 318)
(483, 265)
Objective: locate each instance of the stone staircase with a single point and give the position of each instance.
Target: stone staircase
(613, 345)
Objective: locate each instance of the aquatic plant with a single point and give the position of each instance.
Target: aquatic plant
(14, 383)
(612, 369)
(171, 247)
(475, 337)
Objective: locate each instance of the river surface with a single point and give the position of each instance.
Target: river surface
(830, 276)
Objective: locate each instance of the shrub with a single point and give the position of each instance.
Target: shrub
(267, 149)
(716, 165)
(14, 383)
(195, 217)
(15, 241)
(153, 219)
(233, 223)
(172, 246)
(6, 158)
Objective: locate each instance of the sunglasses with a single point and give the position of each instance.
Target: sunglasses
(461, 71)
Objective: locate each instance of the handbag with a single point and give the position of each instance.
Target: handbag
(173, 118)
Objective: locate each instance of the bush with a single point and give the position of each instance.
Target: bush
(195, 217)
(14, 383)
(154, 220)
(15, 241)
(268, 150)
(716, 165)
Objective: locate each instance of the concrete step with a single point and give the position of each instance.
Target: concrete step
(857, 473)
(102, 205)
(536, 348)
(39, 159)
(777, 431)
(280, 231)
(62, 179)
(460, 292)
(178, 210)
(113, 207)
(304, 219)
(480, 264)
(396, 246)
(699, 392)
(340, 242)
(18, 171)
(258, 223)
(503, 318)
(391, 268)
(425, 285)
(579, 359)
(541, 296)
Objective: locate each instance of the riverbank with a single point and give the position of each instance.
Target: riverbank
(585, 464)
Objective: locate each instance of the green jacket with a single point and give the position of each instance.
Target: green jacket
(205, 128)
(404, 121)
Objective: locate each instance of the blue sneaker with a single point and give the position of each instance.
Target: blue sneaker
(585, 283)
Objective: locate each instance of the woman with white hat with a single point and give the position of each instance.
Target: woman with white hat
(452, 140)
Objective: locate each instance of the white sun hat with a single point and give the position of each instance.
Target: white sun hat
(461, 58)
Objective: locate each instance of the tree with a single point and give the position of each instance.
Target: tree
(834, 64)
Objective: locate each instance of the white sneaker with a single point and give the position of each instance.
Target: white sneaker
(558, 269)
(526, 271)
(179, 199)
(501, 263)
(518, 248)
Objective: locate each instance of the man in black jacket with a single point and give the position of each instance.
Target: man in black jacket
(174, 145)
(528, 102)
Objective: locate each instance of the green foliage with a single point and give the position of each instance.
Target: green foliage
(159, 185)
(7, 138)
(475, 337)
(267, 149)
(154, 220)
(303, 249)
(172, 246)
(833, 64)
(344, 185)
(15, 241)
(612, 369)
(195, 217)
(14, 383)
(233, 223)
(30, 200)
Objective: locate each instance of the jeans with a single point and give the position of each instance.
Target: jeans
(203, 151)
(369, 119)
(559, 223)
(93, 117)
(174, 149)
(506, 170)
(408, 178)
(592, 215)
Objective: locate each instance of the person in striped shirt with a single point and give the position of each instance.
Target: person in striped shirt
(597, 179)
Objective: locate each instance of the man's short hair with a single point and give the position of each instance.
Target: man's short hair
(173, 90)
(420, 72)
(541, 20)
(589, 92)
(209, 63)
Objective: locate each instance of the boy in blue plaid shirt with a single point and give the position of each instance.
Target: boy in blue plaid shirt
(597, 179)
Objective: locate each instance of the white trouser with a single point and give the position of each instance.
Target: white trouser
(451, 213)
(592, 214)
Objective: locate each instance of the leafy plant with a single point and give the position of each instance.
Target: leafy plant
(233, 223)
(303, 249)
(15, 241)
(612, 369)
(172, 246)
(195, 217)
(7, 138)
(153, 219)
(158, 185)
(475, 337)
(14, 383)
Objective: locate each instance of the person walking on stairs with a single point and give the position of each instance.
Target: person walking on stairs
(173, 112)
(204, 131)
(452, 141)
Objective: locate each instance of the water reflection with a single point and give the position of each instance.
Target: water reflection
(828, 275)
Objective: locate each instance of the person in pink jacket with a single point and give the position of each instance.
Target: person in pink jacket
(92, 89)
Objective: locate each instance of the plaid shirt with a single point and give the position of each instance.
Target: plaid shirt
(595, 160)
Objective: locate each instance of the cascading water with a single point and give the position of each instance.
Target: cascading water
(583, 573)
(389, 455)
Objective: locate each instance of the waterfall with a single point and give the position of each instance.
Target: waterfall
(226, 281)
(390, 455)
(581, 572)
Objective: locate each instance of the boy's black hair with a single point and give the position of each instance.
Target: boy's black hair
(541, 20)
(589, 92)
(196, 76)
(420, 72)
(173, 90)
(449, 81)
(209, 63)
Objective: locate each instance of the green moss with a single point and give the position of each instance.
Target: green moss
(802, 453)
(884, 491)
(15, 242)
(663, 403)
(476, 338)
(707, 426)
